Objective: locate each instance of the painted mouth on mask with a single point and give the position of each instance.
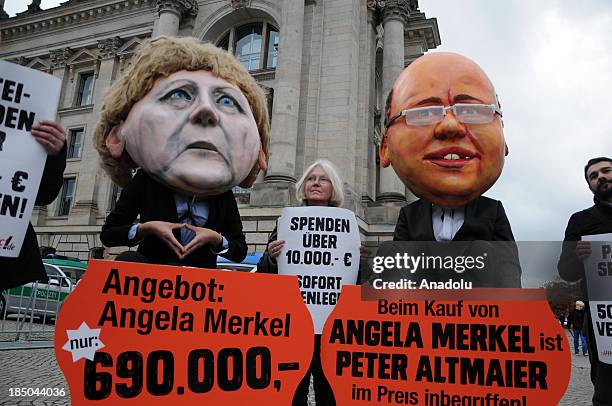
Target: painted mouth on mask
(451, 157)
(203, 145)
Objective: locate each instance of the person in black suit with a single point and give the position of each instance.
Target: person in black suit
(155, 204)
(195, 122)
(28, 266)
(484, 220)
(597, 219)
(444, 139)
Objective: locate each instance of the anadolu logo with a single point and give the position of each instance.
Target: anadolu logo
(6, 243)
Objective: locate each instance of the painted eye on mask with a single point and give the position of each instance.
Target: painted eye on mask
(178, 96)
(228, 103)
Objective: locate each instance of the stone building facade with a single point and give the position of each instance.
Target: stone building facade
(326, 66)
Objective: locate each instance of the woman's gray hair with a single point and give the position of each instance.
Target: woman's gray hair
(337, 197)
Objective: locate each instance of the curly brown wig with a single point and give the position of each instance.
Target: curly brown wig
(159, 58)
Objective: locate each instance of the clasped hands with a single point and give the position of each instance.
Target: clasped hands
(163, 230)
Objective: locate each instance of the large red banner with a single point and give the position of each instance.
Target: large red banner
(143, 334)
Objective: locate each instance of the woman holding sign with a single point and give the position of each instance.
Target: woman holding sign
(320, 185)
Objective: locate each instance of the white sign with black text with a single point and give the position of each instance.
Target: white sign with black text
(322, 249)
(27, 96)
(598, 270)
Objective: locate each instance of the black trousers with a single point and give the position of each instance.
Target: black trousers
(324, 396)
(601, 373)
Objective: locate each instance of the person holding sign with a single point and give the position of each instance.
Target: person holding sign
(195, 123)
(444, 138)
(28, 266)
(320, 185)
(592, 221)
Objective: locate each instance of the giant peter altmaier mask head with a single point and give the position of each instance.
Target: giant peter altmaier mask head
(189, 115)
(446, 155)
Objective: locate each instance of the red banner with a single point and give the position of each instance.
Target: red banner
(470, 348)
(138, 333)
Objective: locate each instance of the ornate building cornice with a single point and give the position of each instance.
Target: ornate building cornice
(374, 10)
(21, 60)
(396, 10)
(236, 4)
(375, 5)
(108, 48)
(413, 5)
(423, 30)
(70, 2)
(187, 8)
(59, 57)
(67, 15)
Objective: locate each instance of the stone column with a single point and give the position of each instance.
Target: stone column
(170, 14)
(280, 176)
(59, 57)
(85, 209)
(58, 69)
(287, 94)
(394, 16)
(340, 97)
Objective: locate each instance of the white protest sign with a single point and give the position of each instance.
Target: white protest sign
(598, 270)
(322, 249)
(27, 96)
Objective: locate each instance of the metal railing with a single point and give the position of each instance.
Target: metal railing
(28, 312)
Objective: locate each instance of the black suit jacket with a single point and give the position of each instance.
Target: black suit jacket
(154, 202)
(28, 266)
(594, 220)
(484, 220)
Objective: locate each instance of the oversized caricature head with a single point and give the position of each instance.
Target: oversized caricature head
(189, 115)
(447, 156)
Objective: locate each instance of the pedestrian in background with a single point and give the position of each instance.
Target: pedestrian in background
(575, 322)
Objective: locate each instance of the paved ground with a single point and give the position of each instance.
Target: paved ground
(37, 368)
(580, 390)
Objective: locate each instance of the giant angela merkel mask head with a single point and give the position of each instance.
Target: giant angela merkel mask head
(189, 115)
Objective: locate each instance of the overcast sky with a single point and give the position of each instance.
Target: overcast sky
(551, 63)
(17, 6)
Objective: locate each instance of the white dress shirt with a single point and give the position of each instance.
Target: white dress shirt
(446, 222)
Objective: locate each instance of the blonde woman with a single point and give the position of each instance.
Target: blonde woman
(320, 185)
